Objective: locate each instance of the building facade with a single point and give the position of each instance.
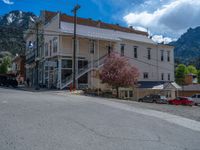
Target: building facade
(95, 40)
(18, 68)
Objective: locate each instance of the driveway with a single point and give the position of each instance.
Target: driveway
(47, 121)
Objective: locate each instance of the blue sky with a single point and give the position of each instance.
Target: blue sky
(96, 9)
(164, 19)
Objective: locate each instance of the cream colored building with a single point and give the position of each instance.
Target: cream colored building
(95, 40)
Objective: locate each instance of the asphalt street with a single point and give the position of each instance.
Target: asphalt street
(49, 121)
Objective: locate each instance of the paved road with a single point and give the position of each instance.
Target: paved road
(46, 121)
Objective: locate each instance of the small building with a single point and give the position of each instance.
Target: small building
(189, 90)
(168, 89)
(190, 79)
(18, 68)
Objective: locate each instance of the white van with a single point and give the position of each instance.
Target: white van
(196, 99)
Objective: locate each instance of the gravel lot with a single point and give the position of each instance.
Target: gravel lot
(185, 111)
(190, 112)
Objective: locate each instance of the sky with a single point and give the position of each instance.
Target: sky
(165, 20)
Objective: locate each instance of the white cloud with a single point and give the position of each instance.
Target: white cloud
(162, 39)
(8, 2)
(172, 17)
(141, 28)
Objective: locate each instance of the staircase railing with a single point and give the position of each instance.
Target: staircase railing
(81, 71)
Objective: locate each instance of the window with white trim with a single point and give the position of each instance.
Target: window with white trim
(122, 48)
(162, 55)
(46, 49)
(145, 75)
(135, 48)
(55, 45)
(50, 47)
(169, 77)
(168, 56)
(149, 53)
(92, 46)
(162, 76)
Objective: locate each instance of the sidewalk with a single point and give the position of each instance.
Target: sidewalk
(32, 89)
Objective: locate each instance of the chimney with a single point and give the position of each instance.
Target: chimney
(131, 27)
(99, 23)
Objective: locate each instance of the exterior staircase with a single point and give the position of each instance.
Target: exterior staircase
(82, 71)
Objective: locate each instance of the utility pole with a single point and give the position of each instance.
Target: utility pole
(76, 8)
(36, 57)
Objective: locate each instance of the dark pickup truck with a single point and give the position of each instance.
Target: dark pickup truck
(154, 99)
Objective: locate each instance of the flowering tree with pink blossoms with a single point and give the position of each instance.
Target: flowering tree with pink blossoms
(117, 72)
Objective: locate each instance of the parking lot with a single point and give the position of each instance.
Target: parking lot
(191, 112)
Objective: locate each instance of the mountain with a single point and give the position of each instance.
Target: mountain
(12, 26)
(187, 47)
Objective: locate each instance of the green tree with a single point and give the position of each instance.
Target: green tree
(181, 71)
(192, 69)
(4, 66)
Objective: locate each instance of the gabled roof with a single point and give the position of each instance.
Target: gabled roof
(89, 22)
(149, 84)
(158, 85)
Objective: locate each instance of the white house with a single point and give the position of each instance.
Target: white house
(95, 40)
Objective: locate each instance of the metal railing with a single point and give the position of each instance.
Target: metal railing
(81, 71)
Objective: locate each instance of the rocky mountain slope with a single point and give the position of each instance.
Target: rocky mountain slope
(187, 47)
(12, 26)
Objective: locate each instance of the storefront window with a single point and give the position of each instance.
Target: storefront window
(66, 63)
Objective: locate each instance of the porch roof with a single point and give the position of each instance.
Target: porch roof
(99, 33)
(159, 85)
(149, 84)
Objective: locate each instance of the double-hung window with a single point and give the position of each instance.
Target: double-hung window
(46, 49)
(135, 48)
(168, 56)
(149, 53)
(145, 75)
(92, 46)
(162, 76)
(162, 55)
(55, 45)
(122, 49)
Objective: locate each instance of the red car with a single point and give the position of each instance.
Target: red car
(181, 101)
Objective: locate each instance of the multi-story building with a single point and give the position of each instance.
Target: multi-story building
(95, 39)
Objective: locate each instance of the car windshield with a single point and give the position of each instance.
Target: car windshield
(189, 98)
(163, 97)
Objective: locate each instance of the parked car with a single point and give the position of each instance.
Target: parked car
(181, 101)
(196, 99)
(8, 80)
(154, 99)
